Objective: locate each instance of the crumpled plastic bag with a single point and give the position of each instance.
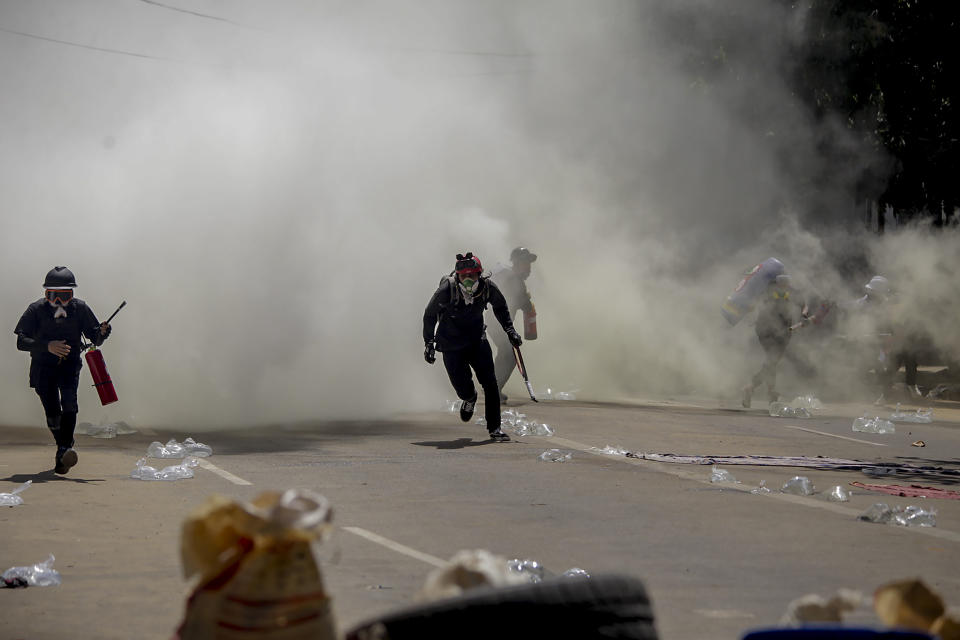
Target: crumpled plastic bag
(41, 574)
(257, 569)
(174, 449)
(143, 471)
(13, 498)
(469, 569)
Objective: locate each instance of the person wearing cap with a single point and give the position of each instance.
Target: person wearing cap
(453, 324)
(51, 329)
(512, 282)
(777, 317)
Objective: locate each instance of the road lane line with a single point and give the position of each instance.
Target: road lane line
(396, 546)
(699, 476)
(209, 466)
(833, 435)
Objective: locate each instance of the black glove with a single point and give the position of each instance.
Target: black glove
(429, 353)
(514, 337)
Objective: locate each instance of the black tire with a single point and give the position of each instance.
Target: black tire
(605, 606)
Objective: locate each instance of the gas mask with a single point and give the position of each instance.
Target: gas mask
(469, 287)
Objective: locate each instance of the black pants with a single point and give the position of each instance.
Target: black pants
(57, 388)
(773, 348)
(479, 356)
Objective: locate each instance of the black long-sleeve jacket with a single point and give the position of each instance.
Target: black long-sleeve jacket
(461, 324)
(37, 328)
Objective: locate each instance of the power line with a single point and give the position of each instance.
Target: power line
(198, 14)
(88, 46)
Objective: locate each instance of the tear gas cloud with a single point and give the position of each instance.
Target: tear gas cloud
(276, 190)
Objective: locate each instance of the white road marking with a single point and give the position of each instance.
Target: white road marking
(396, 546)
(833, 435)
(209, 466)
(700, 476)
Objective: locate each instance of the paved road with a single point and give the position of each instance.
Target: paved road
(410, 492)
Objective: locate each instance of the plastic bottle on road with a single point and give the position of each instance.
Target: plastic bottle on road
(41, 574)
(876, 424)
(798, 486)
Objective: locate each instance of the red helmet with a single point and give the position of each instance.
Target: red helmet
(467, 264)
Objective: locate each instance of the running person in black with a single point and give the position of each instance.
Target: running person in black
(51, 329)
(455, 313)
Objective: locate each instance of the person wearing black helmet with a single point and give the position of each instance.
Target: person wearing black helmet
(453, 324)
(512, 282)
(51, 330)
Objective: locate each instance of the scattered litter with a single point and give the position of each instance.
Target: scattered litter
(555, 455)
(911, 516)
(105, 429)
(945, 392)
(553, 394)
(174, 472)
(814, 462)
(782, 410)
(873, 425)
(913, 491)
(41, 574)
(452, 406)
(256, 568)
(575, 572)
(610, 450)
(762, 489)
(921, 416)
(721, 475)
(808, 402)
(174, 449)
(13, 498)
(517, 423)
(879, 472)
(838, 494)
(481, 421)
(813, 609)
(918, 443)
(798, 486)
(531, 570)
(469, 569)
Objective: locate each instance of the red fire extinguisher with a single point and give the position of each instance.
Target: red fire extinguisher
(101, 378)
(98, 368)
(530, 323)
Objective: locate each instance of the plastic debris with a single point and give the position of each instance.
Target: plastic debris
(781, 410)
(575, 572)
(798, 486)
(517, 423)
(721, 475)
(610, 450)
(762, 489)
(911, 516)
(808, 402)
(256, 568)
(918, 443)
(555, 455)
(481, 421)
(876, 424)
(469, 569)
(13, 498)
(921, 416)
(566, 395)
(105, 429)
(452, 406)
(838, 494)
(531, 570)
(174, 449)
(174, 472)
(41, 574)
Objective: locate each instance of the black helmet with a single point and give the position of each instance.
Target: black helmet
(59, 277)
(522, 254)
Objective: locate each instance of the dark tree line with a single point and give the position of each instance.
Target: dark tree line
(889, 69)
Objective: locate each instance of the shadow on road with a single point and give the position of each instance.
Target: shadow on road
(459, 443)
(46, 476)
